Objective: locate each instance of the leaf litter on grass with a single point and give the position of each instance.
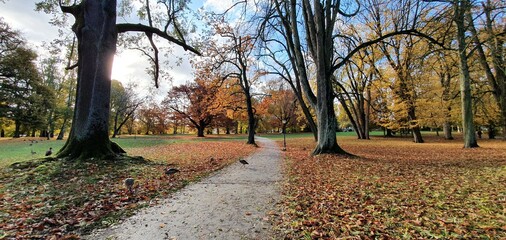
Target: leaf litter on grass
(63, 199)
(395, 189)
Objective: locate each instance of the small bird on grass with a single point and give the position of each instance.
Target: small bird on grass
(49, 152)
(170, 171)
(129, 183)
(33, 153)
(243, 162)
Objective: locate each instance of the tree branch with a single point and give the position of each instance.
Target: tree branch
(372, 42)
(128, 27)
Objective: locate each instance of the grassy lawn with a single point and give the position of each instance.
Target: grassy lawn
(395, 189)
(16, 150)
(44, 197)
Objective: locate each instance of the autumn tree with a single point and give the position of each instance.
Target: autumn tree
(282, 105)
(96, 31)
(444, 65)
(199, 102)
(235, 58)
(489, 43)
(148, 115)
(353, 90)
(309, 29)
(124, 103)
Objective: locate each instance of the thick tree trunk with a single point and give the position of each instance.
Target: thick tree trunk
(417, 135)
(200, 131)
(17, 128)
(389, 133)
(326, 118)
(465, 78)
(491, 130)
(95, 28)
(447, 129)
(251, 120)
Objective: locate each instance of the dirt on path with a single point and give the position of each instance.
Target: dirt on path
(231, 204)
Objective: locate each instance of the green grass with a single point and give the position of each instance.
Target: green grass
(18, 150)
(15, 150)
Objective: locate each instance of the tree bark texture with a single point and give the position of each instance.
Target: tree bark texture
(465, 78)
(95, 28)
(319, 31)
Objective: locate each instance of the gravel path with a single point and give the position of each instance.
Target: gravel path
(231, 204)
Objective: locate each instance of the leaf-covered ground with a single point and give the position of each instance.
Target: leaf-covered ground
(54, 199)
(395, 189)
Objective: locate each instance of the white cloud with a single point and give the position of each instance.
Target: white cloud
(33, 25)
(129, 65)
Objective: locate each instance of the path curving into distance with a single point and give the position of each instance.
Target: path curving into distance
(230, 204)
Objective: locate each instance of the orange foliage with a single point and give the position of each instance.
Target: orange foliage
(395, 189)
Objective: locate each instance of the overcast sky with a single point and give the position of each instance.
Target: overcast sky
(129, 65)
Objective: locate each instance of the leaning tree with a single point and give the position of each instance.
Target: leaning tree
(97, 32)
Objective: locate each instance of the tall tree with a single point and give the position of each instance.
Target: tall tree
(96, 32)
(312, 38)
(235, 58)
(25, 98)
(493, 61)
(199, 102)
(124, 103)
(461, 7)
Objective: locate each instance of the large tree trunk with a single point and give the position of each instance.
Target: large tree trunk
(200, 131)
(326, 119)
(465, 78)
(95, 28)
(447, 129)
(417, 135)
(251, 120)
(17, 129)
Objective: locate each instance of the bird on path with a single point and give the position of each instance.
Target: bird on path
(170, 171)
(243, 162)
(49, 152)
(129, 183)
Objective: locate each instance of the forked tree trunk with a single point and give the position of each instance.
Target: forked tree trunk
(326, 118)
(322, 54)
(95, 28)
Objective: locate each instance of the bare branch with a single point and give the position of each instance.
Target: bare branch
(128, 27)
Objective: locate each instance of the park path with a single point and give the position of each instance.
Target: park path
(230, 204)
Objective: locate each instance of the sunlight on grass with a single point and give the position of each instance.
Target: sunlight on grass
(64, 199)
(18, 150)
